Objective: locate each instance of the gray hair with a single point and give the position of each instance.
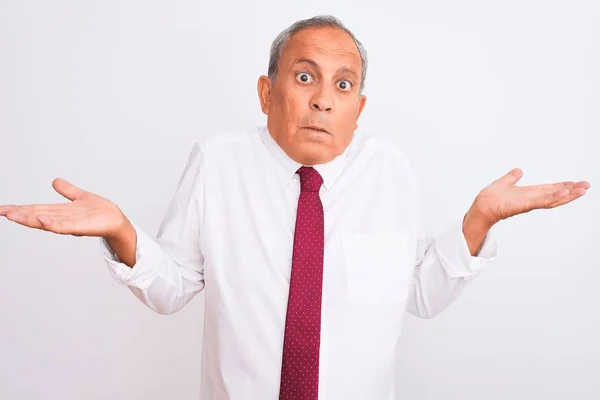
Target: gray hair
(319, 21)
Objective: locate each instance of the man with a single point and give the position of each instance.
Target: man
(305, 236)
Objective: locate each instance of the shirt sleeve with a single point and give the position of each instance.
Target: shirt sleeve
(443, 265)
(168, 269)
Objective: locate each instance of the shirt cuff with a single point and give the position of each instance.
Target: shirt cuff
(454, 253)
(148, 256)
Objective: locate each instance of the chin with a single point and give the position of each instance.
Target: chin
(312, 154)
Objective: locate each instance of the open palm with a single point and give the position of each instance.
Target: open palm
(87, 214)
(502, 199)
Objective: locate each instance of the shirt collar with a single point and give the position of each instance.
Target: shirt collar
(329, 171)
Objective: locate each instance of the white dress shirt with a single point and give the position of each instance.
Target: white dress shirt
(229, 231)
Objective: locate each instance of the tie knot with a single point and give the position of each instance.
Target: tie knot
(310, 179)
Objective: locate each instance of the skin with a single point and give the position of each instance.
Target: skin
(317, 85)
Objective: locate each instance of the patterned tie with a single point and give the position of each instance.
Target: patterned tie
(300, 366)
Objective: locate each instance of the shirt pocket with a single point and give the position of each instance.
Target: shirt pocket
(377, 267)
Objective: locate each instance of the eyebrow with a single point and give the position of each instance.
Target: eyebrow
(313, 63)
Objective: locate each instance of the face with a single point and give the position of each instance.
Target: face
(314, 103)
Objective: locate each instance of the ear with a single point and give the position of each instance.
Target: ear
(361, 105)
(264, 93)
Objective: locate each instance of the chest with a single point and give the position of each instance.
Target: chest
(249, 224)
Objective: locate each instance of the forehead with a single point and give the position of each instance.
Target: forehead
(324, 45)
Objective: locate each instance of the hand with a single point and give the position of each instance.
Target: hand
(87, 215)
(502, 199)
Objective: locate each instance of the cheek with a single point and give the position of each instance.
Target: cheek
(346, 124)
(350, 112)
(295, 102)
(346, 117)
(282, 109)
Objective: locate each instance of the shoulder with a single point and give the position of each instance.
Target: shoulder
(382, 157)
(226, 145)
(220, 146)
(227, 139)
(377, 148)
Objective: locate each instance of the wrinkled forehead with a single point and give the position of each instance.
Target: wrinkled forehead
(328, 47)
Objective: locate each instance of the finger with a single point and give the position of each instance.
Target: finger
(538, 197)
(67, 189)
(541, 196)
(6, 209)
(44, 207)
(60, 225)
(558, 186)
(29, 217)
(512, 177)
(583, 185)
(35, 208)
(562, 198)
(25, 219)
(52, 224)
(549, 187)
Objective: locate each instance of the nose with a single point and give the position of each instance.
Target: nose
(322, 101)
(320, 106)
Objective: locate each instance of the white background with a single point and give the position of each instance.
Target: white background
(111, 96)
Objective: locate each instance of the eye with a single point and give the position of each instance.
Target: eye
(303, 77)
(345, 85)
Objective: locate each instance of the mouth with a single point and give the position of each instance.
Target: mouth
(316, 129)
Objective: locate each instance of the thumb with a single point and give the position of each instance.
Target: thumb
(67, 189)
(512, 177)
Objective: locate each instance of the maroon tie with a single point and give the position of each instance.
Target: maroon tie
(300, 366)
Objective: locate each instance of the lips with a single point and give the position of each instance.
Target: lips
(316, 128)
